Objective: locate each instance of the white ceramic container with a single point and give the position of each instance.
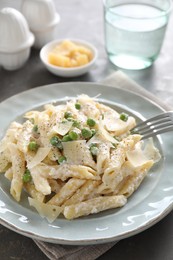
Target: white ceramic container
(68, 72)
(15, 39)
(42, 18)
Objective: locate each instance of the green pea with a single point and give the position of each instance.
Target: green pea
(33, 146)
(73, 135)
(66, 138)
(63, 121)
(86, 133)
(77, 106)
(76, 124)
(35, 128)
(27, 176)
(55, 141)
(61, 159)
(91, 122)
(94, 149)
(67, 115)
(124, 117)
(68, 119)
(93, 132)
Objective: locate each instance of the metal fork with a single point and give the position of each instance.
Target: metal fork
(156, 125)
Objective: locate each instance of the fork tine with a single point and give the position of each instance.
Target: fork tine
(161, 131)
(152, 127)
(156, 118)
(156, 125)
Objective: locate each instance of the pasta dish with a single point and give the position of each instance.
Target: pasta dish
(75, 159)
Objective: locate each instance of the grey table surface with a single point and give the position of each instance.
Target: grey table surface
(84, 19)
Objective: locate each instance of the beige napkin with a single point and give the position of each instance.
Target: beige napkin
(60, 252)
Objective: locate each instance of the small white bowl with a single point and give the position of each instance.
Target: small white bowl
(67, 72)
(16, 39)
(42, 18)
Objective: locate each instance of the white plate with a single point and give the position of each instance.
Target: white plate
(149, 204)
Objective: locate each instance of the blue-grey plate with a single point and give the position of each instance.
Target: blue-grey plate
(149, 204)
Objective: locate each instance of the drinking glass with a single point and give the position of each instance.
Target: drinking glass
(135, 30)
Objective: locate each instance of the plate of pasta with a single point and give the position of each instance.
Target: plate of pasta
(73, 172)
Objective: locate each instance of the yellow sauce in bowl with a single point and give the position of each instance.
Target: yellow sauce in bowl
(69, 54)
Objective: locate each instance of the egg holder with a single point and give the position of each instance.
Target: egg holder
(19, 31)
(42, 19)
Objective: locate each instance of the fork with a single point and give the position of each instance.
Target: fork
(156, 125)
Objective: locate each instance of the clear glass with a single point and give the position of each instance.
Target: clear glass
(135, 30)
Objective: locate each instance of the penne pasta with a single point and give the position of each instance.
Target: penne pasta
(35, 194)
(25, 134)
(4, 161)
(103, 157)
(18, 168)
(133, 182)
(118, 157)
(66, 192)
(40, 179)
(73, 171)
(82, 193)
(94, 206)
(54, 154)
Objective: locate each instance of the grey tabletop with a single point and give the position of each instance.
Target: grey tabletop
(84, 19)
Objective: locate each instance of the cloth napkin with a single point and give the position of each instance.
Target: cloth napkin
(61, 252)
